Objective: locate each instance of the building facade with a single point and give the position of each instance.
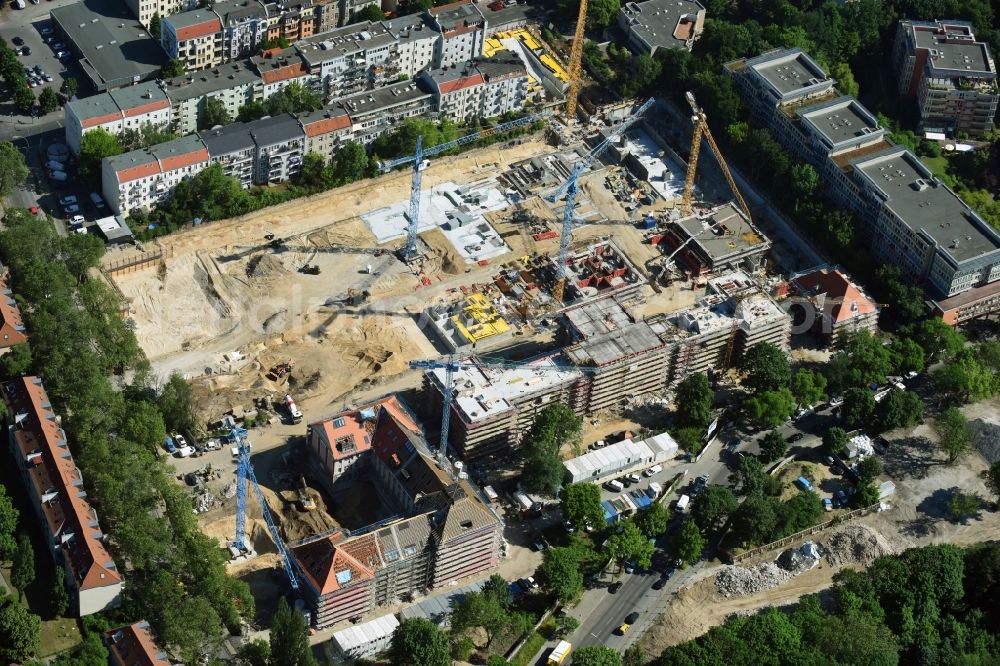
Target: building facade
(951, 75)
(144, 178)
(835, 304)
(462, 32)
(193, 37)
(234, 84)
(244, 25)
(661, 24)
(133, 108)
(55, 488)
(145, 10)
(280, 143)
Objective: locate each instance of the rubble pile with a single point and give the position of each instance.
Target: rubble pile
(734, 581)
(855, 545)
(203, 502)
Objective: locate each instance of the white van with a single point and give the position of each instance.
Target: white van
(614, 485)
(683, 502)
(655, 469)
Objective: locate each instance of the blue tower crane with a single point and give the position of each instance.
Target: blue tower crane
(244, 471)
(569, 188)
(419, 161)
(450, 365)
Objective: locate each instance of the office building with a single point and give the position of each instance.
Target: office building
(661, 24)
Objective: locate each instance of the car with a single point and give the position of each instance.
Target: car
(796, 437)
(634, 478)
(630, 567)
(213, 445)
(58, 46)
(80, 230)
(184, 452)
(911, 374)
(34, 2)
(45, 30)
(169, 445)
(668, 573)
(837, 401)
(67, 199)
(614, 587)
(630, 619)
(33, 83)
(77, 219)
(733, 443)
(71, 209)
(625, 481)
(528, 583)
(660, 583)
(18, 41)
(38, 69)
(179, 439)
(47, 77)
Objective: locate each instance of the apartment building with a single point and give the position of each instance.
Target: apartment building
(479, 89)
(116, 111)
(12, 331)
(325, 130)
(235, 84)
(444, 532)
(661, 24)
(911, 219)
(194, 37)
(415, 39)
(133, 645)
(143, 178)
(379, 111)
(280, 143)
(834, 303)
(949, 73)
(351, 59)
(280, 67)
(462, 29)
(290, 19)
(348, 8)
(232, 147)
(245, 26)
(55, 489)
(327, 15)
(144, 10)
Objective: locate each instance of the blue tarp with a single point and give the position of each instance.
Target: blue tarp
(640, 499)
(610, 515)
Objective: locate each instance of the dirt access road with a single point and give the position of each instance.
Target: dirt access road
(918, 517)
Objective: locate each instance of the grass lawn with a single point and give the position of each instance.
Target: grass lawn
(58, 635)
(937, 165)
(534, 643)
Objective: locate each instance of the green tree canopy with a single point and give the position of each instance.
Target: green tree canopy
(560, 573)
(13, 170)
(991, 477)
(596, 655)
(688, 543)
(554, 426)
(954, 434)
(95, 145)
(834, 441)
(349, 163)
(581, 505)
(600, 13)
(8, 525)
(771, 408)
(59, 596)
(172, 68)
(213, 112)
(69, 86)
(20, 632)
(48, 101)
(963, 506)
(712, 506)
(936, 338)
(749, 478)
(693, 401)
(808, 387)
(652, 521)
(418, 642)
(860, 361)
(898, 409)
(964, 379)
(869, 469)
(772, 447)
(631, 545)
(22, 571)
(155, 26)
(369, 13)
(765, 367)
(907, 355)
(858, 408)
(289, 638)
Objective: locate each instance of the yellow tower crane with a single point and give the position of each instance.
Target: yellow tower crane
(575, 58)
(701, 130)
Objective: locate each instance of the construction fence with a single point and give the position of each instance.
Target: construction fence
(781, 543)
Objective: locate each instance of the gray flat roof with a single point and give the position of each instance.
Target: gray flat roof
(928, 206)
(131, 97)
(94, 106)
(966, 56)
(371, 101)
(181, 146)
(612, 334)
(450, 16)
(226, 140)
(193, 17)
(724, 232)
(115, 48)
(131, 159)
(655, 21)
(342, 41)
(207, 81)
(499, 67)
(411, 26)
(841, 120)
(788, 70)
(268, 131)
(238, 10)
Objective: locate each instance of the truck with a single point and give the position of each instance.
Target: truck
(559, 653)
(683, 502)
(804, 483)
(294, 413)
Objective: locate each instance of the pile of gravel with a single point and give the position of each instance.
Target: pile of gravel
(734, 581)
(986, 438)
(855, 544)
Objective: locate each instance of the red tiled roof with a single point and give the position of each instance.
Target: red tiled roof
(327, 125)
(210, 26)
(283, 73)
(148, 108)
(101, 120)
(846, 299)
(41, 442)
(461, 83)
(139, 171)
(185, 160)
(358, 425)
(134, 646)
(324, 559)
(11, 325)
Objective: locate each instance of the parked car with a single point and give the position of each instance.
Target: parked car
(660, 583)
(18, 41)
(184, 452)
(62, 55)
(653, 471)
(96, 199)
(630, 619)
(634, 478)
(58, 46)
(614, 485)
(180, 441)
(213, 445)
(796, 437)
(614, 587)
(169, 445)
(24, 50)
(44, 31)
(67, 199)
(71, 209)
(77, 219)
(625, 481)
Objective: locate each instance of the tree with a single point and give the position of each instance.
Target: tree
(962, 506)
(954, 434)
(596, 655)
(771, 408)
(938, 339)
(369, 13)
(991, 477)
(175, 404)
(255, 653)
(808, 387)
(24, 99)
(756, 519)
(349, 163)
(566, 625)
(907, 356)
(8, 525)
(48, 101)
(860, 361)
(713, 505)
(804, 181)
(749, 478)
(22, 571)
(834, 441)
(766, 367)
(213, 113)
(772, 447)
(554, 426)
(581, 505)
(867, 495)
(634, 656)
(693, 402)
(95, 145)
(13, 170)
(629, 544)
(601, 13)
(869, 470)
(59, 596)
(20, 632)
(251, 111)
(652, 521)
(964, 379)
(90, 652)
(293, 98)
(313, 175)
(172, 68)
(480, 609)
(858, 408)
(419, 642)
(560, 573)
(898, 409)
(289, 639)
(689, 439)
(69, 87)
(846, 84)
(688, 543)
(154, 26)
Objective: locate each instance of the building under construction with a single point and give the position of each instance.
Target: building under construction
(444, 531)
(712, 240)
